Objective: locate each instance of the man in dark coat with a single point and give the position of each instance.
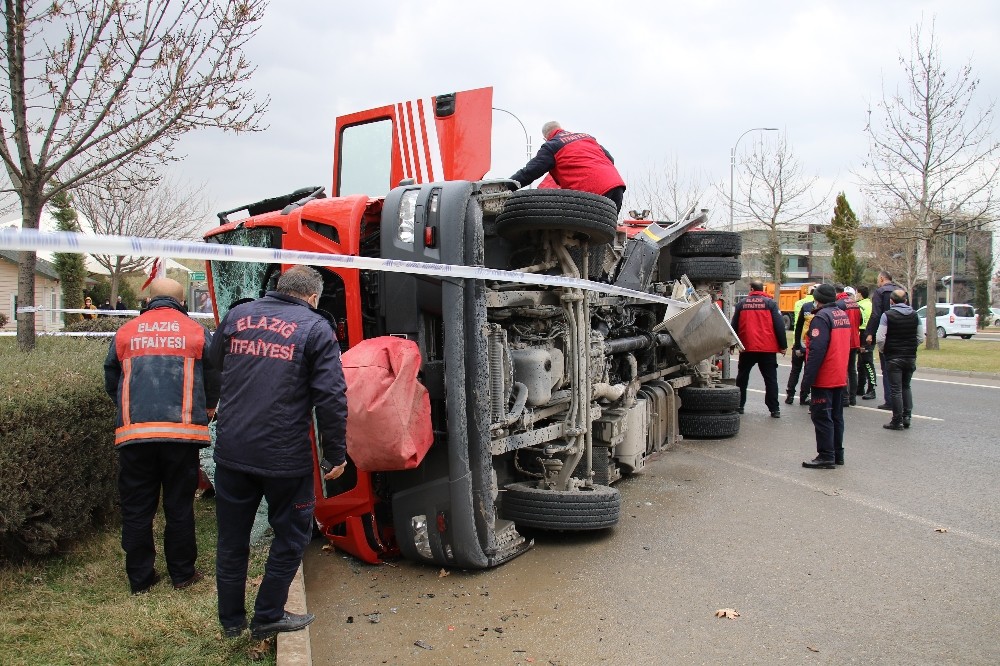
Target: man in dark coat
(898, 336)
(280, 361)
(757, 321)
(880, 303)
(576, 162)
(826, 376)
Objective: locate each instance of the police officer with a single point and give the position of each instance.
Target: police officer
(280, 360)
(166, 391)
(757, 321)
(576, 162)
(826, 376)
(802, 314)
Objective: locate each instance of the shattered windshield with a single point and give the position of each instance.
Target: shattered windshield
(234, 281)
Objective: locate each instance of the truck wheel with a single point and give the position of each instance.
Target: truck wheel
(719, 399)
(707, 244)
(708, 426)
(706, 269)
(594, 508)
(588, 214)
(787, 321)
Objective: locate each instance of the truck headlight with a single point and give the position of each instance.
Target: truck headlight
(407, 213)
(421, 537)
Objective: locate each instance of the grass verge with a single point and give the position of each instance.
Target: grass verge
(76, 608)
(966, 355)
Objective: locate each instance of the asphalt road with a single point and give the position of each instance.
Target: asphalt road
(892, 559)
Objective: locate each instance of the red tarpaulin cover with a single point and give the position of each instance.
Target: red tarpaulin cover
(388, 410)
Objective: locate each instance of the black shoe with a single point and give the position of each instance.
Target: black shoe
(906, 421)
(894, 425)
(190, 581)
(852, 403)
(776, 414)
(739, 410)
(234, 632)
(790, 398)
(288, 622)
(148, 586)
(868, 396)
(886, 406)
(805, 401)
(819, 463)
(839, 461)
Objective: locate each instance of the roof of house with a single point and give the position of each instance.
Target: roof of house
(42, 267)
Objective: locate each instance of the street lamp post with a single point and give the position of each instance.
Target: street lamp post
(729, 289)
(527, 139)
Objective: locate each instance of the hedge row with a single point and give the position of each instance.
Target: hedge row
(57, 461)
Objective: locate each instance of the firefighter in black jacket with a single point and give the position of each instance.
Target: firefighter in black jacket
(280, 360)
(757, 321)
(166, 391)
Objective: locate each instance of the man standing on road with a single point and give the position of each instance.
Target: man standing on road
(800, 326)
(166, 391)
(866, 355)
(757, 321)
(280, 360)
(880, 304)
(826, 376)
(576, 162)
(846, 302)
(899, 334)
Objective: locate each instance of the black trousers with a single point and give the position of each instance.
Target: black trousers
(886, 381)
(290, 505)
(798, 361)
(866, 371)
(901, 398)
(827, 411)
(851, 390)
(768, 364)
(616, 194)
(144, 468)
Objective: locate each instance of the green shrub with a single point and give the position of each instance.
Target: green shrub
(3, 319)
(57, 461)
(99, 325)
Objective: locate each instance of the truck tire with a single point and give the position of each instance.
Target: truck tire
(707, 244)
(594, 508)
(588, 214)
(695, 425)
(706, 269)
(721, 399)
(786, 319)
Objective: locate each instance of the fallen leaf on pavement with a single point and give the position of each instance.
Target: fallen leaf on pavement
(443, 573)
(327, 547)
(731, 613)
(941, 529)
(422, 645)
(812, 649)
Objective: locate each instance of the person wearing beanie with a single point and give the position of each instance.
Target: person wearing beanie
(826, 376)
(757, 321)
(898, 336)
(846, 302)
(576, 162)
(800, 326)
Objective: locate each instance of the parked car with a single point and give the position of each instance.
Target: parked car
(994, 317)
(952, 319)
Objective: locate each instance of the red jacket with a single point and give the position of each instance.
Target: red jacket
(157, 373)
(575, 161)
(757, 321)
(846, 303)
(828, 350)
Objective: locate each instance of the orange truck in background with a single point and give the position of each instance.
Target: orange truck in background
(790, 294)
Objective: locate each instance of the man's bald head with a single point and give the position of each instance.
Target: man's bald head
(166, 287)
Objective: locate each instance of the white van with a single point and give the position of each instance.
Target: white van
(952, 319)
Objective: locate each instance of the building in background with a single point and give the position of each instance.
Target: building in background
(47, 293)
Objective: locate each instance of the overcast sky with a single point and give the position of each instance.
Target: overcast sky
(653, 81)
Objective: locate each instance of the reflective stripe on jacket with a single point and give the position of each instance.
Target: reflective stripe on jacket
(156, 372)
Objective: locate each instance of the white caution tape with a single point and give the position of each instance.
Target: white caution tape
(62, 241)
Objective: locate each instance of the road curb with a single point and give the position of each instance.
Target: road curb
(294, 648)
(959, 373)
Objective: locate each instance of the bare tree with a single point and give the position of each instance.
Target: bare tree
(773, 196)
(894, 248)
(932, 159)
(168, 210)
(665, 192)
(92, 87)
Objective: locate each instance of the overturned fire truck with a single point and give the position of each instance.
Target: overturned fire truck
(541, 396)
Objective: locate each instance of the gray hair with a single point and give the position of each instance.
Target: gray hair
(550, 127)
(301, 282)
